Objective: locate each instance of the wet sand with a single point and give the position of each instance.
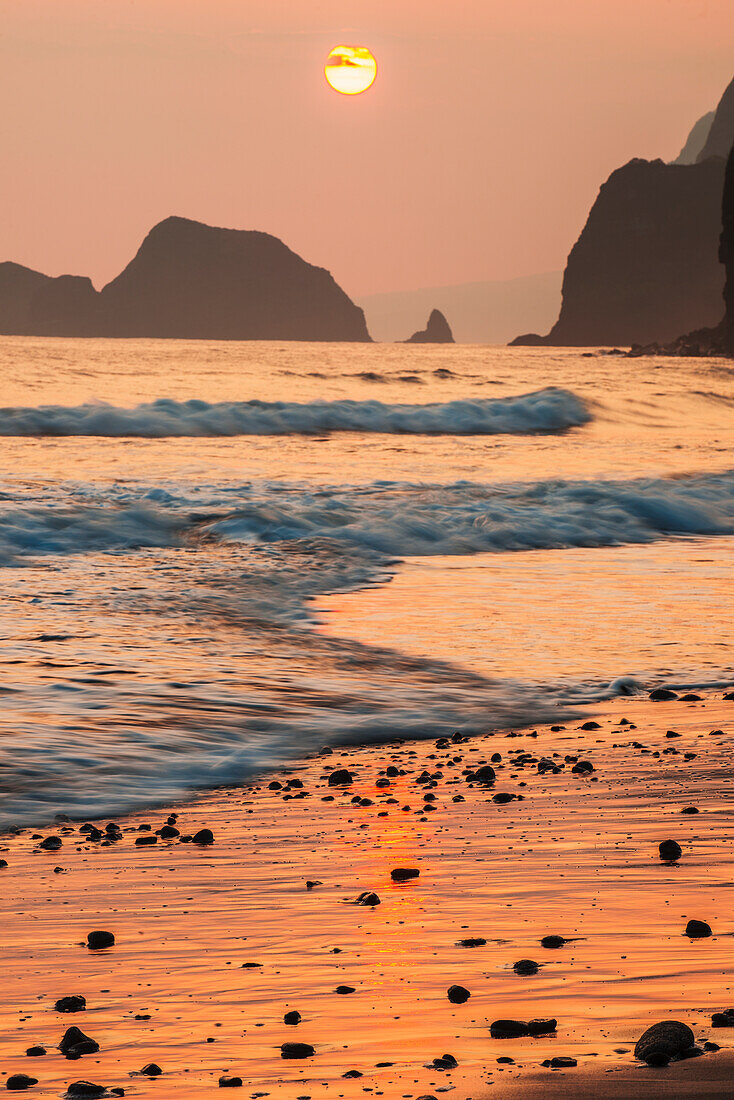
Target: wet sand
(214, 944)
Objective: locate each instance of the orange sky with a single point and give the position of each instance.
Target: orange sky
(476, 154)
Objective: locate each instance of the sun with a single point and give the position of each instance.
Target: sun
(350, 70)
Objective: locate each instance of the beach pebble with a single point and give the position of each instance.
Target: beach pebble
(146, 841)
(508, 1029)
(367, 898)
(584, 767)
(542, 1027)
(526, 966)
(340, 778)
(71, 1004)
(3, 863)
(90, 1090)
(476, 941)
(661, 695)
(204, 837)
(457, 994)
(446, 1061)
(19, 1082)
(292, 1018)
(553, 942)
(100, 939)
(151, 1070)
(664, 1041)
(74, 1043)
(670, 850)
(296, 1050)
(560, 1063)
(344, 990)
(51, 843)
(311, 882)
(403, 874)
(698, 929)
(35, 1052)
(168, 832)
(230, 1082)
(723, 1019)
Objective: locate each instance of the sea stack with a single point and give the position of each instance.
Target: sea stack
(437, 331)
(193, 282)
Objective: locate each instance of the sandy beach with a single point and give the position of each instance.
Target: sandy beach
(214, 944)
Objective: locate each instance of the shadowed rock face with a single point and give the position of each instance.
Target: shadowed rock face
(721, 134)
(726, 254)
(437, 331)
(189, 281)
(646, 264)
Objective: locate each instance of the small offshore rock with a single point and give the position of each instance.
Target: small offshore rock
(71, 1004)
(296, 1050)
(457, 994)
(670, 850)
(698, 929)
(97, 941)
(664, 1041)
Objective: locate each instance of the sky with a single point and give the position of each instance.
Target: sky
(476, 154)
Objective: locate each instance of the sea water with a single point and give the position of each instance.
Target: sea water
(219, 557)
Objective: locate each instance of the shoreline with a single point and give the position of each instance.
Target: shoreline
(574, 855)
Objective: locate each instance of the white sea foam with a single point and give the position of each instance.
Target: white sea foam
(548, 410)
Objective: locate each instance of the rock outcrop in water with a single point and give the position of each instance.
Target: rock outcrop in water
(646, 264)
(437, 331)
(188, 281)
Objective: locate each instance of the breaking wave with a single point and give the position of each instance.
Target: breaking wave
(548, 410)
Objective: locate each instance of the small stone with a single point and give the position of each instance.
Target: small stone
(542, 1027)
(664, 1041)
(526, 966)
(367, 898)
(19, 1082)
(146, 841)
(341, 778)
(698, 929)
(51, 843)
(74, 1043)
(553, 942)
(344, 990)
(71, 1004)
(458, 995)
(97, 941)
(204, 837)
(168, 832)
(662, 695)
(35, 1052)
(296, 1050)
(475, 941)
(670, 850)
(584, 767)
(292, 1018)
(562, 1063)
(230, 1082)
(151, 1070)
(90, 1090)
(723, 1019)
(508, 1029)
(404, 874)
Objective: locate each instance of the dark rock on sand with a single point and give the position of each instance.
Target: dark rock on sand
(73, 1003)
(89, 1090)
(204, 837)
(296, 1050)
(151, 1070)
(553, 942)
(341, 778)
(230, 1082)
(96, 941)
(75, 1043)
(560, 1063)
(698, 929)
(19, 1082)
(723, 1019)
(292, 1018)
(663, 1042)
(508, 1029)
(35, 1052)
(476, 941)
(662, 695)
(526, 966)
(485, 774)
(367, 898)
(446, 1061)
(168, 832)
(457, 994)
(3, 863)
(345, 990)
(404, 874)
(584, 767)
(437, 331)
(51, 844)
(146, 841)
(670, 850)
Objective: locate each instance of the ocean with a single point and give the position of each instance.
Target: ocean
(219, 558)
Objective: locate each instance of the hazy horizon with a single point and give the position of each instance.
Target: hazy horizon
(475, 156)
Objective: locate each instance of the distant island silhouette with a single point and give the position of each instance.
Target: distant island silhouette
(437, 331)
(188, 281)
(646, 265)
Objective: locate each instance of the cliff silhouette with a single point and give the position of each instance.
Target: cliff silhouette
(646, 265)
(188, 281)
